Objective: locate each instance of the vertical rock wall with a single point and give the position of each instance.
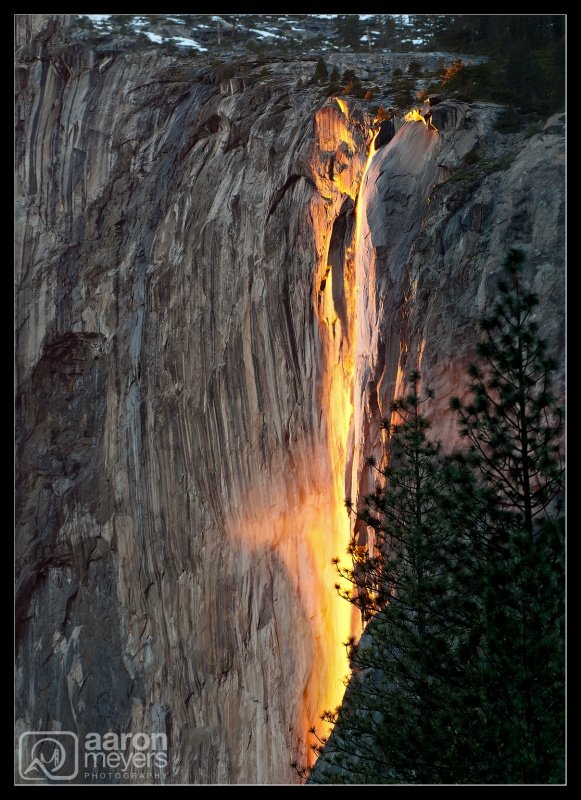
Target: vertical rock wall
(175, 369)
(203, 355)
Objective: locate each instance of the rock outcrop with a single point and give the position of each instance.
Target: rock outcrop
(194, 382)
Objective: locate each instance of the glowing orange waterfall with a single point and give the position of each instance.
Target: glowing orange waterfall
(293, 518)
(343, 620)
(338, 408)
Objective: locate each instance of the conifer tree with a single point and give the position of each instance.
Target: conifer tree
(349, 30)
(321, 73)
(513, 428)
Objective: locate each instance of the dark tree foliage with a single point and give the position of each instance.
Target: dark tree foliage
(526, 66)
(414, 69)
(321, 72)
(513, 427)
(352, 84)
(388, 31)
(350, 30)
(403, 88)
(459, 675)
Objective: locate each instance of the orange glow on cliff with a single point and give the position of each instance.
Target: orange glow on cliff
(291, 525)
(342, 105)
(337, 408)
(399, 388)
(415, 115)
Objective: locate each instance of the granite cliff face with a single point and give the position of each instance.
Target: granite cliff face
(435, 232)
(211, 320)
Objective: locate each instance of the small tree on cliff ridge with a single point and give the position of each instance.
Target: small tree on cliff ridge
(321, 72)
(498, 656)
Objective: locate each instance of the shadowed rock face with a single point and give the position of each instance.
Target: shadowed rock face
(184, 361)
